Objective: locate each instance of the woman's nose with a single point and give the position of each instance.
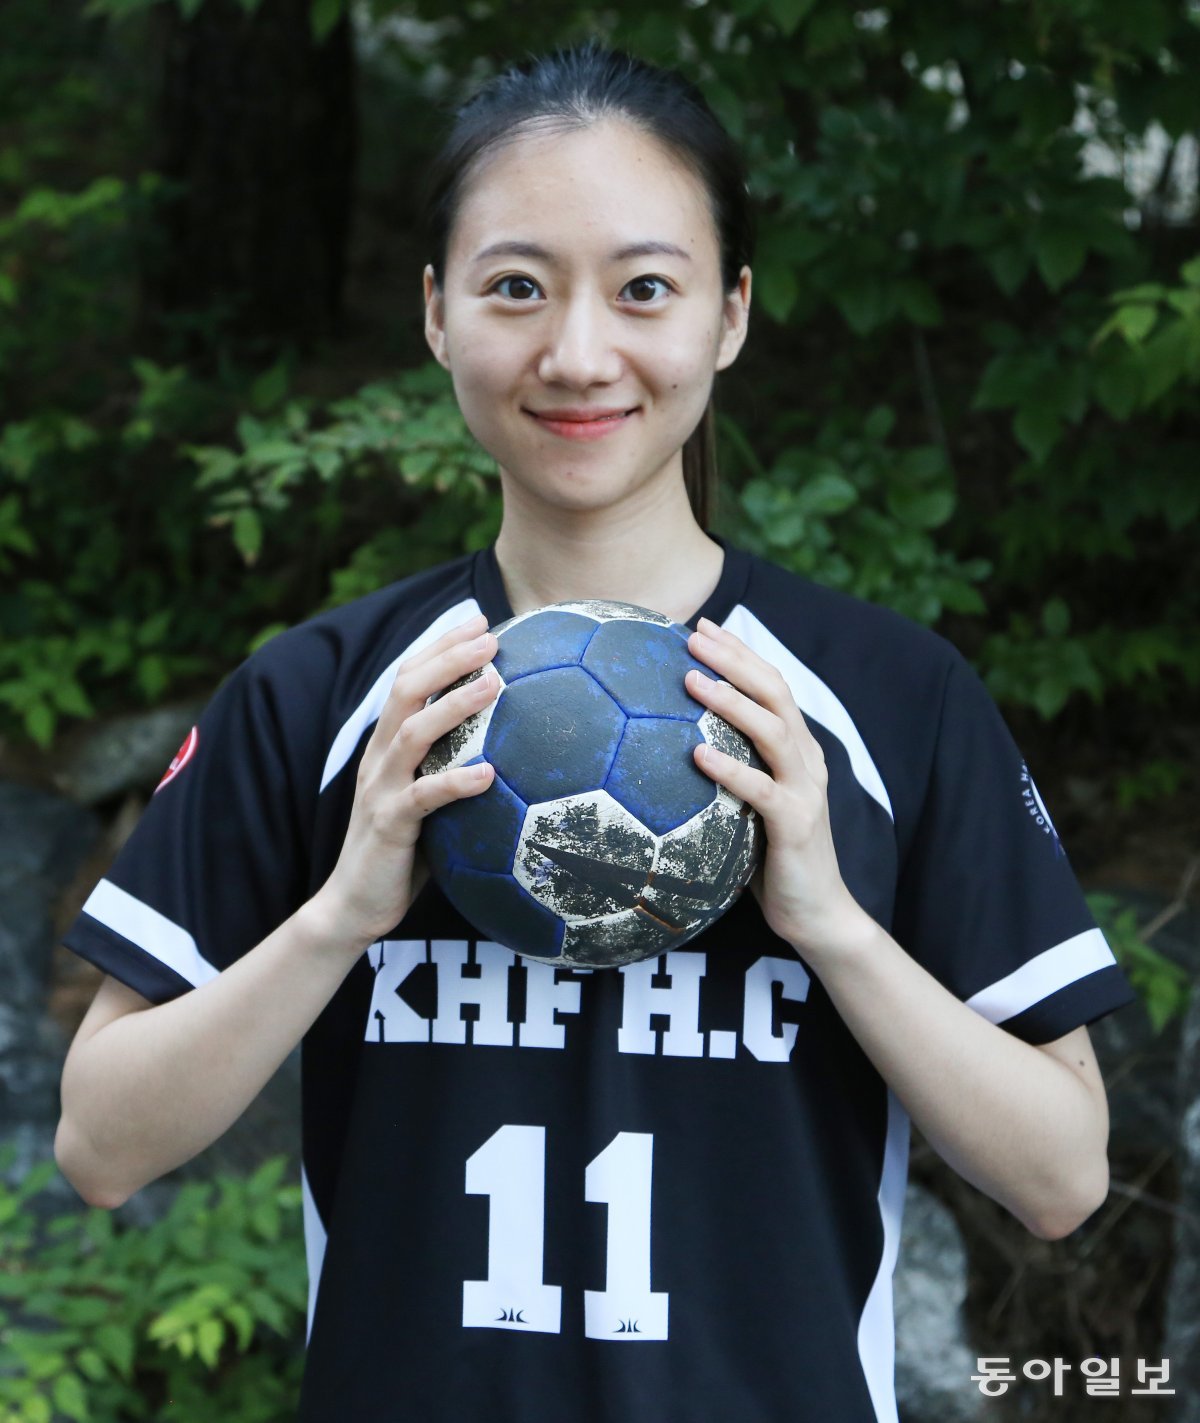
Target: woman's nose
(580, 348)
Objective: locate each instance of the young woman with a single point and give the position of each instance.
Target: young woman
(669, 1193)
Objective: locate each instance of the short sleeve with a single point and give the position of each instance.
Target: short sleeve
(218, 858)
(986, 897)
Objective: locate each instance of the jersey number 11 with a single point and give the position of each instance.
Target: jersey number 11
(510, 1169)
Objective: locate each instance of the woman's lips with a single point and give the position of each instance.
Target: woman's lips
(582, 429)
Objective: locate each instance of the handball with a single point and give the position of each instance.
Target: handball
(599, 841)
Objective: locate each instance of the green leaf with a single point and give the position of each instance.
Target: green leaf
(69, 1397)
(1117, 386)
(323, 16)
(247, 534)
(878, 424)
(1134, 322)
(269, 1310)
(865, 303)
(265, 1217)
(1060, 252)
(1049, 697)
(269, 452)
(250, 431)
(1038, 430)
(37, 1178)
(98, 1227)
(154, 629)
(40, 722)
(327, 462)
(84, 1309)
(961, 597)
(917, 301)
(270, 388)
(210, 1335)
(1006, 380)
(152, 677)
(788, 14)
(1144, 292)
(1186, 303)
(1165, 360)
(1008, 266)
(921, 508)
(1190, 272)
(268, 1176)
(217, 466)
(243, 1321)
(1056, 617)
(922, 464)
(92, 1363)
(776, 287)
(36, 1407)
(71, 699)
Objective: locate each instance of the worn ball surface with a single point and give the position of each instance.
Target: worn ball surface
(599, 841)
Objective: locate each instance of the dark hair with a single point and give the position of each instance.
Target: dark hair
(573, 88)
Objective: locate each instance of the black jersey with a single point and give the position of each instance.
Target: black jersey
(667, 1193)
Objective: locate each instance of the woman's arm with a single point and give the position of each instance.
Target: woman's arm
(1024, 1124)
(152, 1088)
(145, 1087)
(1018, 1122)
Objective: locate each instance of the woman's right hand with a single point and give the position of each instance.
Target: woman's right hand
(378, 874)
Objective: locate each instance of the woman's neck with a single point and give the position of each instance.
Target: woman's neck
(660, 559)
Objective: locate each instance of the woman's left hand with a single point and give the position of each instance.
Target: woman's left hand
(798, 885)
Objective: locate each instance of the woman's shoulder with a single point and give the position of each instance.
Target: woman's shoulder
(835, 632)
(875, 679)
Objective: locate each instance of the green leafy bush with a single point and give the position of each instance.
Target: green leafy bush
(198, 1318)
(406, 429)
(970, 390)
(1164, 985)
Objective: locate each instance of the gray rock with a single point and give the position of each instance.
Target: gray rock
(934, 1361)
(31, 1055)
(126, 753)
(1181, 1342)
(43, 840)
(1140, 1066)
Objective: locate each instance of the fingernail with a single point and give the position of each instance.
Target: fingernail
(481, 642)
(705, 644)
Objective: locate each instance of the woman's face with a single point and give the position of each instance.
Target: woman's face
(548, 309)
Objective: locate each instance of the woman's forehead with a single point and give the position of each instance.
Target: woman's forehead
(603, 188)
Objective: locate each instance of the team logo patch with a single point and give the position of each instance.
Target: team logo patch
(1037, 809)
(182, 757)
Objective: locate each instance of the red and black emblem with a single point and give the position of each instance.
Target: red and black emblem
(182, 757)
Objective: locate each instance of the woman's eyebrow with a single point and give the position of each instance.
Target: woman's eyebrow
(622, 254)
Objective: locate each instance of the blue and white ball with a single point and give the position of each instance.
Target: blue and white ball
(599, 841)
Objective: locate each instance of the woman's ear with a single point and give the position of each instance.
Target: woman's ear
(435, 318)
(735, 320)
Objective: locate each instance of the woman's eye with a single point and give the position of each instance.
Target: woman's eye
(519, 282)
(644, 282)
